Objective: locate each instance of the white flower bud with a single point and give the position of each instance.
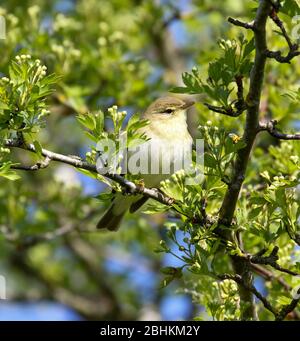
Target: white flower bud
(294, 159)
(4, 150)
(117, 36)
(13, 19)
(102, 41)
(33, 10)
(131, 67)
(103, 26)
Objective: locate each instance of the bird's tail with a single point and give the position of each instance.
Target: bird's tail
(113, 216)
(111, 220)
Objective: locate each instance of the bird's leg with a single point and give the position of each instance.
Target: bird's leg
(140, 184)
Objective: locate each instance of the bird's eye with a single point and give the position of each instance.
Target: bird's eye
(169, 111)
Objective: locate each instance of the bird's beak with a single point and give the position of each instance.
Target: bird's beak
(188, 103)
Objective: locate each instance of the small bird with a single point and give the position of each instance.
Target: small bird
(168, 135)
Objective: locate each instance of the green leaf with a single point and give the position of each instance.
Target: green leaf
(3, 105)
(87, 120)
(38, 148)
(15, 71)
(249, 47)
(172, 271)
(7, 173)
(255, 212)
(99, 118)
(209, 161)
(257, 200)
(105, 196)
(180, 90)
(10, 175)
(166, 281)
(88, 173)
(135, 122)
(290, 7)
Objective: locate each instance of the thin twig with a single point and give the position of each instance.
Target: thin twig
(279, 316)
(277, 55)
(271, 260)
(29, 241)
(287, 309)
(224, 111)
(293, 48)
(236, 22)
(239, 280)
(270, 276)
(240, 105)
(275, 4)
(295, 237)
(280, 24)
(39, 165)
(270, 128)
(79, 163)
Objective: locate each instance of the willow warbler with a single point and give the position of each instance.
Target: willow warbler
(167, 135)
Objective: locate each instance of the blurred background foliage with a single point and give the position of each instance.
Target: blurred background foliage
(123, 52)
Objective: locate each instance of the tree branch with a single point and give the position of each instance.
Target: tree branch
(236, 22)
(279, 23)
(241, 266)
(76, 162)
(29, 241)
(295, 237)
(270, 260)
(279, 316)
(224, 111)
(251, 288)
(86, 254)
(253, 101)
(92, 308)
(287, 309)
(270, 128)
(39, 165)
(270, 276)
(240, 105)
(24, 242)
(277, 55)
(293, 48)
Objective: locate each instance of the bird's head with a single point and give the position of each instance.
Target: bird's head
(167, 107)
